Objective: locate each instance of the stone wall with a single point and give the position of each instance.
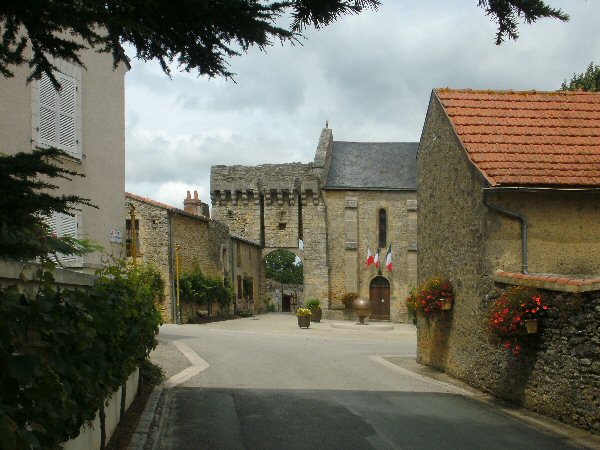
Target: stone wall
(247, 263)
(558, 372)
(239, 193)
(353, 219)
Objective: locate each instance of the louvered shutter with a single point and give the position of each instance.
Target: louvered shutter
(57, 115)
(65, 225)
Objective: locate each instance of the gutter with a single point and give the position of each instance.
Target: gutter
(590, 190)
(523, 220)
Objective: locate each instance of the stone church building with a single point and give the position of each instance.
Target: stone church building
(352, 198)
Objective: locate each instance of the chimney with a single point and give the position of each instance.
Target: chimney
(192, 205)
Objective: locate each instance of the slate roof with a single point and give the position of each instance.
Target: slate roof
(373, 166)
(529, 138)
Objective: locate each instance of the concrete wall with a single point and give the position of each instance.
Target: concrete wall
(353, 226)
(90, 436)
(558, 372)
(103, 143)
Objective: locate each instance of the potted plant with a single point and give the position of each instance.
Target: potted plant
(514, 315)
(314, 304)
(303, 317)
(349, 298)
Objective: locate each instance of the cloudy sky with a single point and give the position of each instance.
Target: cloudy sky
(369, 75)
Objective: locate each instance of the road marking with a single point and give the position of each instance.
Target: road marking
(198, 365)
(384, 362)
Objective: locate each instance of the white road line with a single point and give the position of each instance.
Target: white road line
(198, 365)
(384, 362)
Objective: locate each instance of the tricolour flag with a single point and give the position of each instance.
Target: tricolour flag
(370, 257)
(376, 260)
(388, 258)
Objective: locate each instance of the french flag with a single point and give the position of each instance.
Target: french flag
(388, 258)
(376, 261)
(370, 257)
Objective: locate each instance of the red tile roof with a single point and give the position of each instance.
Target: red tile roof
(529, 138)
(165, 206)
(551, 282)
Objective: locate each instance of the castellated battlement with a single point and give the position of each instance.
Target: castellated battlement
(280, 184)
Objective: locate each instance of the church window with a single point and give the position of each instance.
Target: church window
(382, 227)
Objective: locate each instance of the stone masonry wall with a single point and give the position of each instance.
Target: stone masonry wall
(558, 371)
(347, 245)
(236, 192)
(154, 246)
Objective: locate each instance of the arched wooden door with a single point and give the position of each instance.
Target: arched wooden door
(379, 295)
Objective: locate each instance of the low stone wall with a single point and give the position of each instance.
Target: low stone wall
(338, 314)
(557, 373)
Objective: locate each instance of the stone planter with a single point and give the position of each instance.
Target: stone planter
(316, 315)
(532, 326)
(304, 321)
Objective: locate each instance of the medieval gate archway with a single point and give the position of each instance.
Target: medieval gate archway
(379, 296)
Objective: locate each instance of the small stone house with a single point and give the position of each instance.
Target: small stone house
(162, 231)
(508, 192)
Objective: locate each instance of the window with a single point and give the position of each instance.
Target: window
(239, 287)
(382, 228)
(238, 253)
(248, 288)
(282, 226)
(62, 225)
(57, 118)
(129, 237)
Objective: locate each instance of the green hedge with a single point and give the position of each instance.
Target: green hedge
(63, 353)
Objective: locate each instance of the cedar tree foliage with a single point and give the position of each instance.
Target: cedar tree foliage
(588, 81)
(195, 35)
(27, 199)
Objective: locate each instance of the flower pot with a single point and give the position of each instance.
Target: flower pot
(446, 304)
(304, 321)
(316, 315)
(532, 326)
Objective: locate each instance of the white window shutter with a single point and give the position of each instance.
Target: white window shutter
(65, 225)
(48, 112)
(58, 114)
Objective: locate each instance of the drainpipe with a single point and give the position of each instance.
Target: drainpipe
(171, 269)
(523, 220)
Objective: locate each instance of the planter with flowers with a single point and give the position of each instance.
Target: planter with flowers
(514, 315)
(303, 317)
(314, 304)
(431, 298)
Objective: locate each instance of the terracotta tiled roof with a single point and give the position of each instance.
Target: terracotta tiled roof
(165, 206)
(552, 282)
(529, 138)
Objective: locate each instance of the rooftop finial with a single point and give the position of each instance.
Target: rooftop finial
(327, 124)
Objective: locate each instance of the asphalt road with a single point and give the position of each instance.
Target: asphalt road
(263, 383)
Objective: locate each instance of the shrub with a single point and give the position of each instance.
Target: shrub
(313, 304)
(348, 298)
(63, 353)
(244, 313)
(152, 374)
(412, 305)
(201, 290)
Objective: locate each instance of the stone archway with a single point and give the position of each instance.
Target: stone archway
(379, 296)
